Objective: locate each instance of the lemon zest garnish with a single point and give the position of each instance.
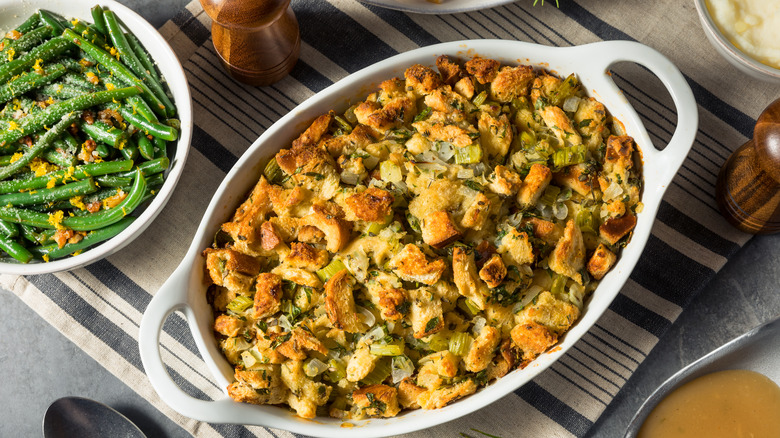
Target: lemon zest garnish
(76, 201)
(12, 125)
(41, 167)
(16, 157)
(110, 87)
(11, 52)
(56, 219)
(51, 183)
(45, 258)
(37, 66)
(78, 252)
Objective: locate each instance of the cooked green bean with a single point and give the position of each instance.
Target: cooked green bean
(41, 237)
(161, 148)
(101, 131)
(150, 167)
(127, 55)
(44, 141)
(15, 249)
(155, 129)
(129, 150)
(143, 56)
(62, 159)
(24, 43)
(113, 181)
(145, 146)
(30, 81)
(46, 51)
(118, 69)
(98, 19)
(63, 91)
(50, 20)
(41, 196)
(8, 229)
(54, 112)
(54, 251)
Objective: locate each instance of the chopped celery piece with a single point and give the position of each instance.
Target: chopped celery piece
(520, 103)
(438, 342)
(344, 125)
(550, 195)
(239, 304)
(380, 372)
(460, 343)
(586, 221)
(390, 172)
(273, 173)
(567, 88)
(558, 284)
(375, 227)
(468, 306)
(386, 349)
(468, 155)
(528, 138)
(333, 268)
(569, 155)
(480, 99)
(336, 370)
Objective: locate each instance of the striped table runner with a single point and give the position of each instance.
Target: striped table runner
(99, 307)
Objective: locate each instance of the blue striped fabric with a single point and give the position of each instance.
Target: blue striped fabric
(99, 307)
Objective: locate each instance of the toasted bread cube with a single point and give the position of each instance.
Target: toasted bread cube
(340, 303)
(484, 69)
(305, 256)
(482, 349)
(426, 313)
(329, 218)
(614, 229)
(259, 387)
(539, 176)
(396, 112)
(575, 178)
(372, 204)
(421, 80)
(439, 398)
(464, 274)
(511, 83)
(504, 181)
(476, 214)
(617, 158)
(555, 314)
(269, 238)
(298, 276)
(395, 304)
(228, 325)
(449, 69)
(361, 363)
(299, 343)
(560, 124)
(438, 230)
(545, 230)
(590, 118)
(408, 393)
(411, 265)
(458, 136)
(305, 394)
(268, 295)
(568, 257)
(493, 271)
(231, 269)
(532, 339)
(516, 248)
(601, 262)
(377, 400)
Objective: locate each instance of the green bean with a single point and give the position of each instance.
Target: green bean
(155, 129)
(118, 69)
(39, 238)
(44, 141)
(30, 81)
(78, 80)
(127, 54)
(29, 24)
(129, 151)
(61, 159)
(98, 20)
(54, 251)
(51, 20)
(143, 56)
(136, 104)
(145, 147)
(103, 151)
(84, 223)
(46, 51)
(90, 33)
(24, 43)
(66, 191)
(103, 132)
(150, 167)
(161, 148)
(63, 91)
(15, 249)
(113, 181)
(8, 229)
(61, 176)
(56, 111)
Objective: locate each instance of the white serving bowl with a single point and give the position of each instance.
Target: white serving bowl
(733, 55)
(445, 7)
(13, 12)
(185, 290)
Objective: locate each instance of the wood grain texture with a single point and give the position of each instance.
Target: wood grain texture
(258, 41)
(748, 187)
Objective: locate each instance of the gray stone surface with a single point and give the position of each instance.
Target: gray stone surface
(39, 365)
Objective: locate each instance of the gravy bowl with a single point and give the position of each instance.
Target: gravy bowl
(185, 290)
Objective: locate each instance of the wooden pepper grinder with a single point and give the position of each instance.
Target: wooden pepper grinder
(748, 188)
(258, 41)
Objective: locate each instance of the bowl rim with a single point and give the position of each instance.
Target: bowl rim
(174, 74)
(184, 290)
(726, 45)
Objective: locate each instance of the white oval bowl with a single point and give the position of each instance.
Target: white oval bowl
(445, 7)
(732, 53)
(185, 291)
(13, 12)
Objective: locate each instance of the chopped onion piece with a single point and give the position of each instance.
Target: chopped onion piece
(515, 219)
(613, 191)
(571, 104)
(479, 324)
(369, 319)
(466, 173)
(314, 367)
(530, 294)
(350, 178)
(375, 333)
(370, 162)
(479, 169)
(560, 211)
(446, 150)
(402, 368)
(284, 322)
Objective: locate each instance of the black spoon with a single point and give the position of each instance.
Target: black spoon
(81, 417)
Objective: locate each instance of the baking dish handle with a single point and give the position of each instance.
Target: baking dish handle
(669, 159)
(171, 297)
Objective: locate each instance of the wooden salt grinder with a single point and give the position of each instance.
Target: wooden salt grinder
(748, 188)
(258, 41)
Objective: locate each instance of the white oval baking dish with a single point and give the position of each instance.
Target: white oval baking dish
(185, 291)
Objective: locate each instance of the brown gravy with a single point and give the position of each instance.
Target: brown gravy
(728, 404)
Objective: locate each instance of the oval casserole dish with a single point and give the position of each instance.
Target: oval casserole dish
(185, 290)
